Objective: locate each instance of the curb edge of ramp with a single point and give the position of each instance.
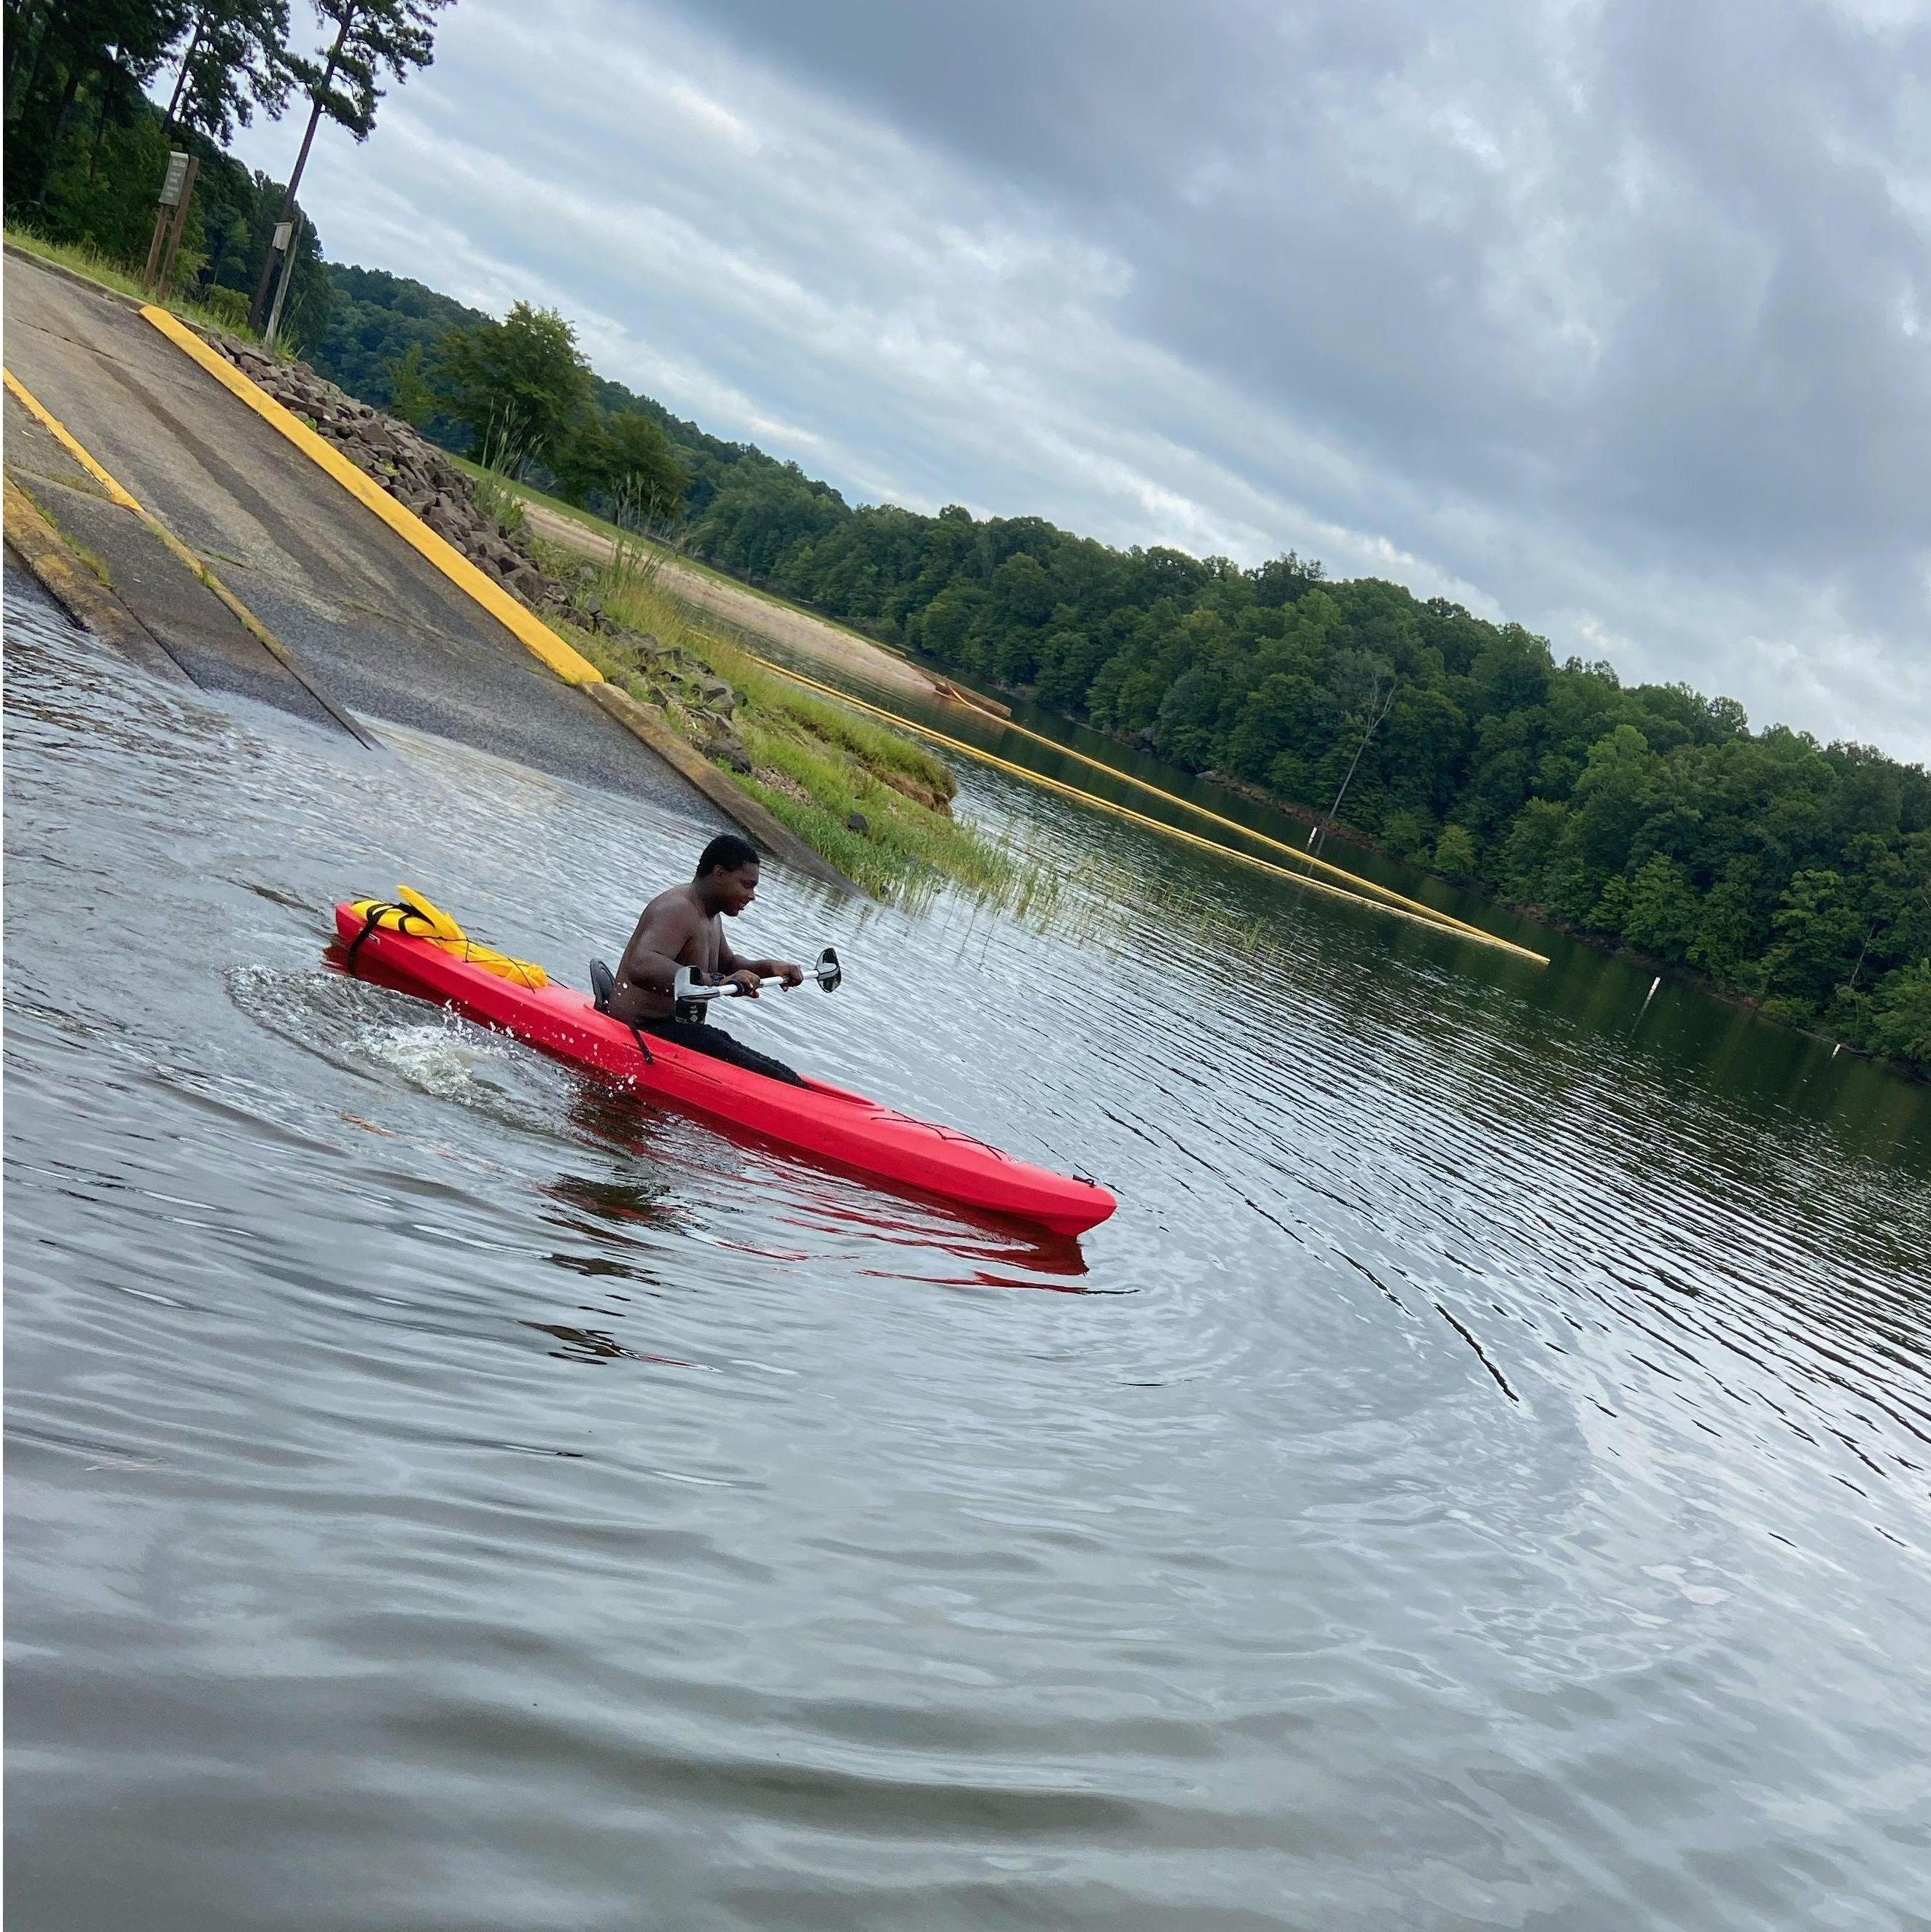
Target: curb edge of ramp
(36, 539)
(528, 630)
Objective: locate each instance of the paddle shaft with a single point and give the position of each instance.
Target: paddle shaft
(827, 971)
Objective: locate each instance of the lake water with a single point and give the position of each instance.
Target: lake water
(1479, 1478)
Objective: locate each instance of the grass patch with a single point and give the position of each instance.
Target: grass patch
(91, 557)
(90, 262)
(901, 762)
(600, 527)
(497, 497)
(84, 553)
(818, 768)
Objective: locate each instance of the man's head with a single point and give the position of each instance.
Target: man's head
(726, 875)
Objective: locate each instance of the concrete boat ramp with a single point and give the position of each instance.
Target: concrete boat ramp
(193, 536)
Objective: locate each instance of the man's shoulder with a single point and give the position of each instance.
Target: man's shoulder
(676, 905)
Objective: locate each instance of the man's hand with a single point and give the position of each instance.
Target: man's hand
(791, 976)
(745, 981)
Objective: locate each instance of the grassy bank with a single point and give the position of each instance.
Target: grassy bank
(612, 533)
(875, 804)
(97, 267)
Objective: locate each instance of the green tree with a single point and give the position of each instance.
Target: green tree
(1454, 853)
(1366, 684)
(374, 40)
(62, 54)
(1424, 749)
(236, 59)
(520, 384)
(1503, 766)
(1894, 891)
(101, 190)
(1408, 835)
(763, 513)
(1819, 930)
(1900, 1023)
(1273, 720)
(1609, 797)
(1661, 912)
(1187, 727)
(1285, 580)
(410, 397)
(1732, 924)
(1534, 841)
(627, 463)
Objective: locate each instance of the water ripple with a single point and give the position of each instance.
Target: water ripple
(1479, 1477)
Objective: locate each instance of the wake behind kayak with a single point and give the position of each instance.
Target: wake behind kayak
(435, 961)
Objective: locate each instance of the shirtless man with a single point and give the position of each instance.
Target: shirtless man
(686, 927)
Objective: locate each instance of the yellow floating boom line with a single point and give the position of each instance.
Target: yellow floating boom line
(1356, 881)
(1390, 902)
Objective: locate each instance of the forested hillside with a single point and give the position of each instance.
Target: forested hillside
(375, 322)
(1648, 816)
(381, 325)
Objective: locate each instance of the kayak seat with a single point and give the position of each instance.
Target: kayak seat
(603, 983)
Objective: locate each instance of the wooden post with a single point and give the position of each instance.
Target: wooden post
(179, 223)
(148, 274)
(294, 228)
(173, 186)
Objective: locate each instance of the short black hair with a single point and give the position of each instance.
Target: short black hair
(727, 853)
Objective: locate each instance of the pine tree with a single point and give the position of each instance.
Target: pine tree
(373, 38)
(237, 59)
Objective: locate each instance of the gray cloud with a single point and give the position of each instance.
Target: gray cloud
(1614, 318)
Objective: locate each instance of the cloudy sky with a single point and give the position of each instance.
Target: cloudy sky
(1612, 316)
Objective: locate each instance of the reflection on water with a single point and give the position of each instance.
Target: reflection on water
(1478, 1479)
(613, 1202)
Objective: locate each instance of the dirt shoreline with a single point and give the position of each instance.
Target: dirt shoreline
(758, 616)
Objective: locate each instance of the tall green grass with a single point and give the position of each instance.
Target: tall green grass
(633, 573)
(818, 768)
(90, 262)
(497, 498)
(495, 490)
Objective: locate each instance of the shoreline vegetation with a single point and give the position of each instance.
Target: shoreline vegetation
(1787, 875)
(877, 804)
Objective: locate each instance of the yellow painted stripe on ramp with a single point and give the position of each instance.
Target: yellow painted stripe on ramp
(528, 629)
(58, 429)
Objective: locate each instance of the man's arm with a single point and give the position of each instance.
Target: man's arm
(650, 960)
(749, 972)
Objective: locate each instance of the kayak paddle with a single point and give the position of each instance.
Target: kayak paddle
(827, 971)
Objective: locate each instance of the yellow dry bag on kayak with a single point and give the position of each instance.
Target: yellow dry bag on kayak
(422, 919)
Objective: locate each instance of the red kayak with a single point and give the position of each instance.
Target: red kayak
(829, 1122)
